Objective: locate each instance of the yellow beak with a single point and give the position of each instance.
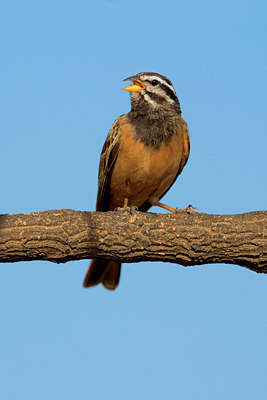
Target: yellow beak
(137, 86)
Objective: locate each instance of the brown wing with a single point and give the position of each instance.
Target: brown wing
(107, 159)
(186, 143)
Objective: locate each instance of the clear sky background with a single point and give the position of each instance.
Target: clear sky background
(167, 332)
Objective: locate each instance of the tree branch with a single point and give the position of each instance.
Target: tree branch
(188, 239)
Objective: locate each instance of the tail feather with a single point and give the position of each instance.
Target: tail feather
(103, 271)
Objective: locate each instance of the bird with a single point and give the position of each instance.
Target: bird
(144, 152)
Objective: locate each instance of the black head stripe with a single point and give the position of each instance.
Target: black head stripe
(169, 92)
(154, 74)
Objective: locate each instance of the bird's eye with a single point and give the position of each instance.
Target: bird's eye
(154, 82)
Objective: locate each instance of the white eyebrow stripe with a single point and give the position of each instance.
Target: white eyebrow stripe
(152, 77)
(161, 92)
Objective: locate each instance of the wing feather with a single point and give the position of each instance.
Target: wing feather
(108, 157)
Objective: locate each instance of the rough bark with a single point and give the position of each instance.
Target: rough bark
(187, 239)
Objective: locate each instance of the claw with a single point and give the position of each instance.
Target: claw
(126, 208)
(189, 210)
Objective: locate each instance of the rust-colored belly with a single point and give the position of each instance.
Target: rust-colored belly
(142, 173)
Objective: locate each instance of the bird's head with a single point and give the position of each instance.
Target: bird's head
(152, 92)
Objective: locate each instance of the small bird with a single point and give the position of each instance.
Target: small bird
(144, 152)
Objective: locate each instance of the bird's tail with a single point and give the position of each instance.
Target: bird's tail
(103, 271)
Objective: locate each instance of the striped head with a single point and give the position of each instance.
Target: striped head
(152, 92)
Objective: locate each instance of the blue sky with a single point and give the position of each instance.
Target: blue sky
(167, 331)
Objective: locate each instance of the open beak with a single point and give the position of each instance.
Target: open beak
(137, 86)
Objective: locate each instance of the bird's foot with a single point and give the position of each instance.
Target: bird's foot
(131, 209)
(189, 210)
(126, 208)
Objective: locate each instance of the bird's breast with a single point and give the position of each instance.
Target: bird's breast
(142, 171)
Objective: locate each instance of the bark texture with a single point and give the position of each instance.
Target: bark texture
(187, 239)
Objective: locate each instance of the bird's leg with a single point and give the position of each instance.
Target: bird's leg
(125, 202)
(161, 205)
(189, 209)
